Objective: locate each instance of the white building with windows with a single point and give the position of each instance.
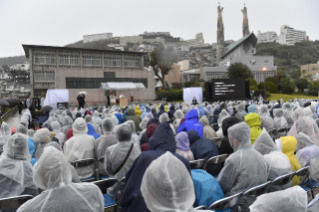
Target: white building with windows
(266, 37)
(290, 36)
(20, 67)
(130, 39)
(96, 37)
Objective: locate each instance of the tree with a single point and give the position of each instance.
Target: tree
(252, 84)
(162, 60)
(287, 85)
(239, 70)
(302, 84)
(296, 74)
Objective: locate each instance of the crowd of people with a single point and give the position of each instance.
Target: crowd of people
(152, 145)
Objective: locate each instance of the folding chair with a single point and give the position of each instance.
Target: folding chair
(215, 160)
(100, 160)
(84, 163)
(12, 203)
(306, 185)
(257, 190)
(228, 202)
(197, 164)
(109, 202)
(283, 180)
(202, 207)
(217, 140)
(120, 192)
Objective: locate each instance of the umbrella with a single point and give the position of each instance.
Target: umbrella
(47, 108)
(83, 92)
(3, 102)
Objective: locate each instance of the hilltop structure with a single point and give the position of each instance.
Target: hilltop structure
(220, 34)
(245, 22)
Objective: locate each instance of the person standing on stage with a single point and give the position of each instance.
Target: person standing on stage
(20, 105)
(81, 100)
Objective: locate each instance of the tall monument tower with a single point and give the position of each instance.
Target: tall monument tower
(245, 22)
(220, 34)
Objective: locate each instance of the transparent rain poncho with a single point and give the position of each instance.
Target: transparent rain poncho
(314, 174)
(209, 110)
(288, 113)
(80, 146)
(168, 186)
(104, 141)
(241, 113)
(21, 129)
(291, 199)
(306, 149)
(298, 113)
(143, 124)
(306, 125)
(16, 169)
(26, 118)
(88, 118)
(61, 117)
(67, 124)
(244, 168)
(41, 137)
(279, 119)
(135, 138)
(30, 133)
(96, 118)
(5, 131)
(57, 129)
(179, 115)
(266, 121)
(52, 173)
(277, 162)
(223, 114)
(164, 117)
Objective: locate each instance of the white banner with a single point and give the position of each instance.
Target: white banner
(55, 96)
(190, 93)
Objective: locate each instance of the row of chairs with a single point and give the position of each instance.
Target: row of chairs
(274, 131)
(232, 201)
(202, 164)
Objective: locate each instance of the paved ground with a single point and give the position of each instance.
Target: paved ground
(14, 120)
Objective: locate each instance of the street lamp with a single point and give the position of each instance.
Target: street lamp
(264, 70)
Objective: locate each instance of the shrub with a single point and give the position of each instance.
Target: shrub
(252, 84)
(287, 85)
(170, 94)
(261, 92)
(177, 85)
(271, 87)
(313, 88)
(191, 84)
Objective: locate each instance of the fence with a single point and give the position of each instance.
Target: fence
(5, 117)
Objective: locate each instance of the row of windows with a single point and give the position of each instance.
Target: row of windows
(44, 76)
(68, 58)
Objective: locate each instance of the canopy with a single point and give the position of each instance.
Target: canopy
(55, 96)
(139, 85)
(118, 86)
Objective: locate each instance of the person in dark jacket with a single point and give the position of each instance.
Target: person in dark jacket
(144, 136)
(194, 101)
(161, 141)
(161, 111)
(149, 132)
(191, 123)
(171, 112)
(215, 119)
(204, 148)
(137, 120)
(225, 147)
(81, 101)
(32, 110)
(20, 105)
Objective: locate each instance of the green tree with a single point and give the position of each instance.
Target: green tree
(239, 70)
(162, 60)
(271, 79)
(252, 84)
(287, 85)
(296, 74)
(302, 84)
(271, 87)
(313, 88)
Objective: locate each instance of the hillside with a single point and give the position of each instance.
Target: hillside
(101, 44)
(13, 60)
(290, 57)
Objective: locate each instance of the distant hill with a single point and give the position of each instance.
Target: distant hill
(101, 44)
(13, 60)
(290, 57)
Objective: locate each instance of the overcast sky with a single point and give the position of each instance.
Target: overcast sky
(61, 22)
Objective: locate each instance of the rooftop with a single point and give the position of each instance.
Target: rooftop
(250, 37)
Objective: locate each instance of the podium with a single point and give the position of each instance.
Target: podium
(123, 102)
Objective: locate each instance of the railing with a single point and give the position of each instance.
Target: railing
(5, 117)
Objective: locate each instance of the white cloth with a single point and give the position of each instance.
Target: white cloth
(190, 93)
(54, 96)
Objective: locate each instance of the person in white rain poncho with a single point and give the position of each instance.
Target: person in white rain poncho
(52, 173)
(42, 137)
(5, 131)
(280, 122)
(287, 113)
(179, 115)
(223, 114)
(277, 162)
(290, 200)
(241, 113)
(21, 129)
(120, 157)
(57, 129)
(16, 169)
(143, 126)
(61, 117)
(135, 138)
(168, 186)
(266, 121)
(30, 133)
(80, 146)
(26, 118)
(243, 169)
(164, 118)
(67, 124)
(96, 118)
(52, 116)
(314, 174)
(306, 149)
(104, 141)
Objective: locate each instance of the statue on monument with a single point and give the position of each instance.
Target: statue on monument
(245, 22)
(220, 34)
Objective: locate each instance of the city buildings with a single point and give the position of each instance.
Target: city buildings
(78, 69)
(290, 36)
(310, 71)
(96, 37)
(130, 39)
(197, 42)
(266, 37)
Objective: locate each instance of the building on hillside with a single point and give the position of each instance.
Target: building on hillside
(96, 37)
(79, 69)
(184, 65)
(198, 41)
(130, 39)
(242, 51)
(266, 37)
(20, 67)
(290, 36)
(310, 71)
